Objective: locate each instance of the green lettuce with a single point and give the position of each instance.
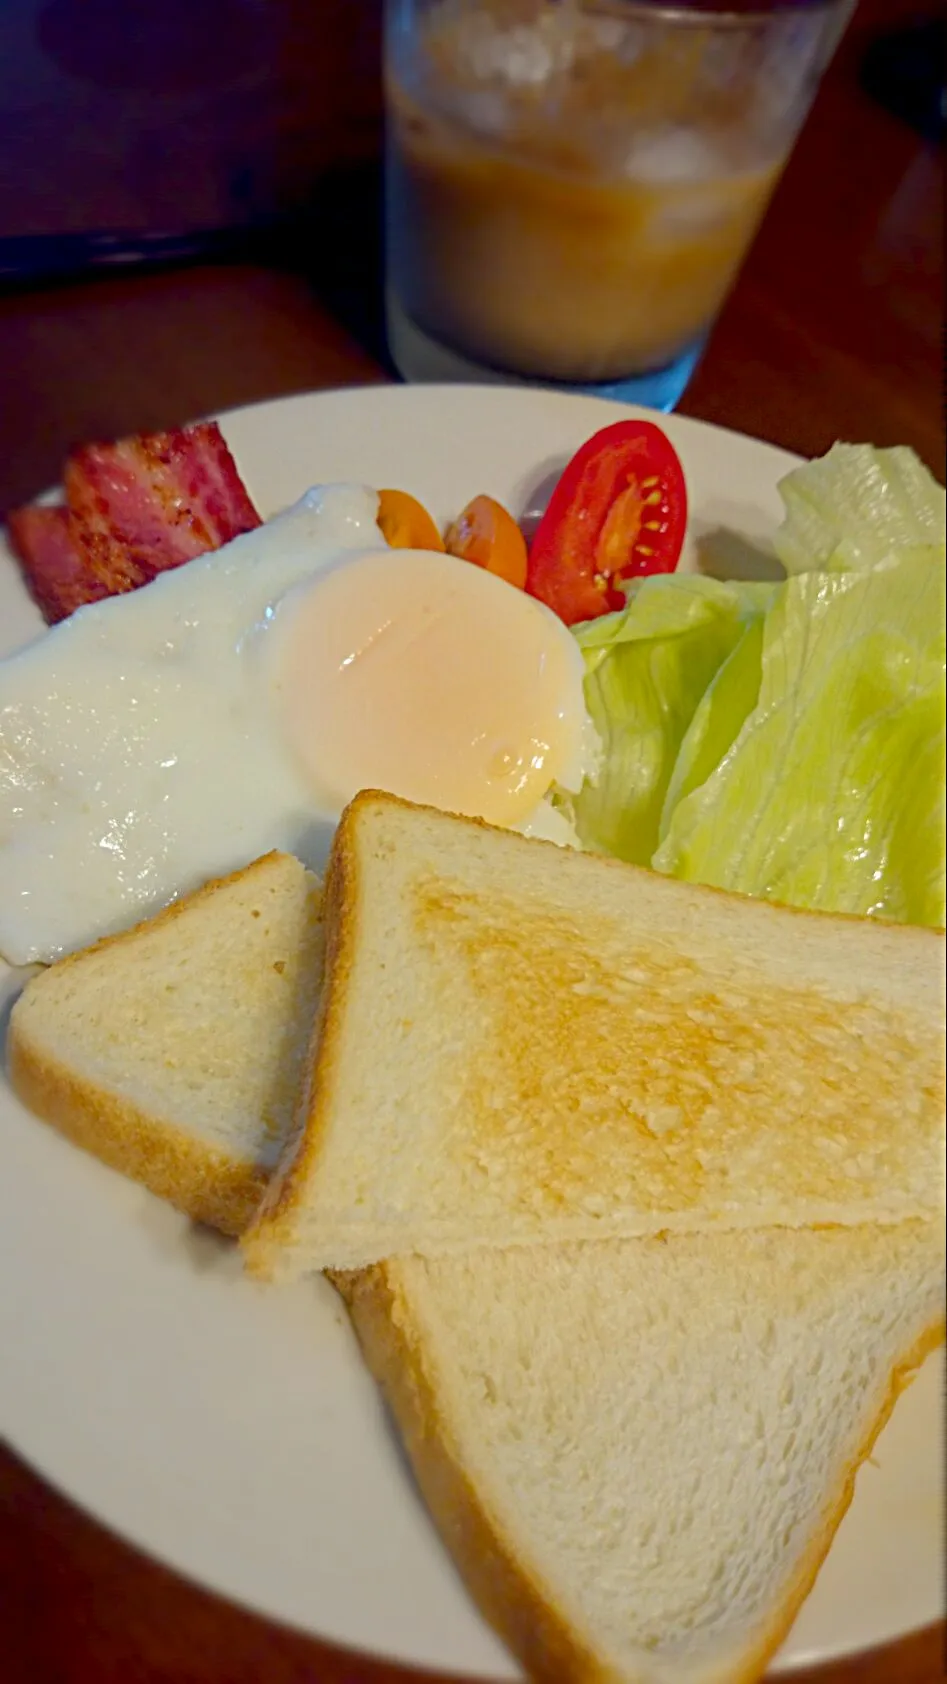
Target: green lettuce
(857, 508)
(729, 699)
(647, 668)
(788, 740)
(832, 793)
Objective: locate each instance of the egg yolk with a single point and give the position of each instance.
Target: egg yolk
(419, 674)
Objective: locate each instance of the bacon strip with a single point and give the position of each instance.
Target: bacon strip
(155, 501)
(57, 569)
(133, 509)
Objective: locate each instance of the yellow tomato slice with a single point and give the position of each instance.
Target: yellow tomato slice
(489, 537)
(405, 523)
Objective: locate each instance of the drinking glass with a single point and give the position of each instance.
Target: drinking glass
(572, 185)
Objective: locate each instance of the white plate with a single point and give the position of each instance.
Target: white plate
(232, 1430)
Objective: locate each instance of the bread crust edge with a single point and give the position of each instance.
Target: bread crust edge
(208, 1184)
(394, 1350)
(269, 1244)
(501, 1583)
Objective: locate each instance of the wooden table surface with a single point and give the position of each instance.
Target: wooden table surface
(834, 330)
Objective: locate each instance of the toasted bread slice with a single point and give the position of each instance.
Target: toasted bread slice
(173, 1051)
(639, 1451)
(520, 1043)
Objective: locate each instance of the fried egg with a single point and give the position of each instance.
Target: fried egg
(234, 705)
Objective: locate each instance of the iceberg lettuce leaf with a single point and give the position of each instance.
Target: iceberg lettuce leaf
(831, 794)
(647, 669)
(729, 699)
(857, 508)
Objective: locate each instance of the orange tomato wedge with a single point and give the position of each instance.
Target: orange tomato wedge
(405, 523)
(489, 537)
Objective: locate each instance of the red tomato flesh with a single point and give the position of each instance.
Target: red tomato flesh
(619, 511)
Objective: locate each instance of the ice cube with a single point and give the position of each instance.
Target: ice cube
(672, 155)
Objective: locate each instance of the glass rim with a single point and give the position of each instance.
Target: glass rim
(724, 11)
(685, 11)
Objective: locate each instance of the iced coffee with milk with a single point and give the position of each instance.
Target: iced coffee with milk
(572, 187)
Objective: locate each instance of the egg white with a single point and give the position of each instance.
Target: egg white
(142, 750)
(137, 755)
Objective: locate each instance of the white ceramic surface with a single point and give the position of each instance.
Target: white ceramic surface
(232, 1430)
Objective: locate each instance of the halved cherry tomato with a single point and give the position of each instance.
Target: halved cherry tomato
(405, 523)
(489, 537)
(618, 511)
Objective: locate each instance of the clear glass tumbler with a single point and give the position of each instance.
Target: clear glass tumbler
(572, 185)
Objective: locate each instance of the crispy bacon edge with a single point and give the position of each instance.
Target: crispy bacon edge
(133, 509)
